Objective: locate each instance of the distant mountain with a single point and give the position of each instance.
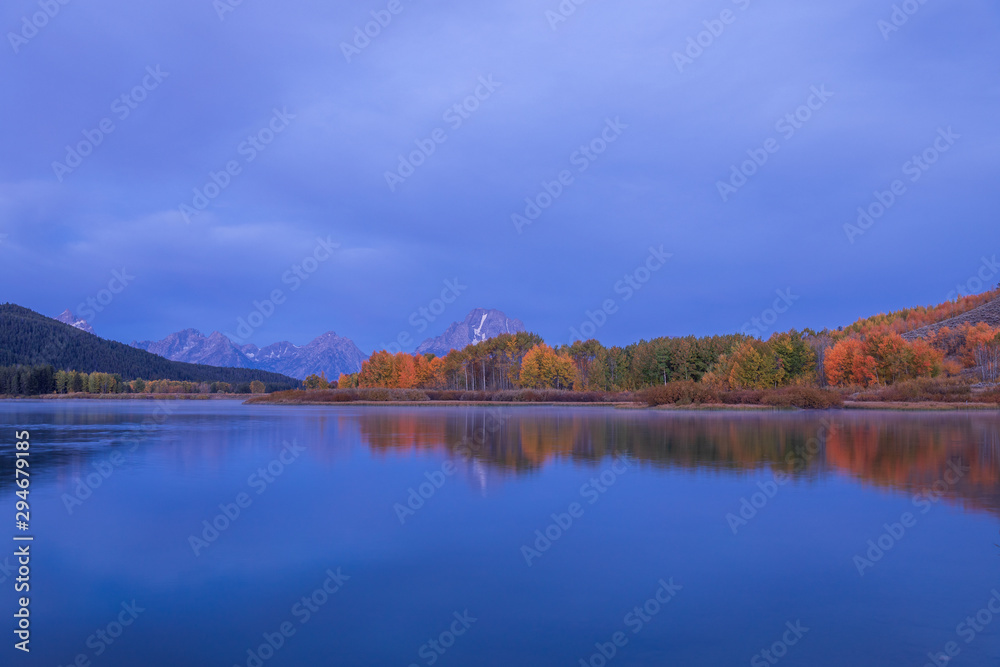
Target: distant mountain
(479, 325)
(67, 317)
(330, 354)
(28, 338)
(192, 347)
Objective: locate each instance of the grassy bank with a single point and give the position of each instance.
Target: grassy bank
(918, 395)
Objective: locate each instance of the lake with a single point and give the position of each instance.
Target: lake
(212, 533)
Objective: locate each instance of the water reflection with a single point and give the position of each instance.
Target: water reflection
(900, 451)
(897, 451)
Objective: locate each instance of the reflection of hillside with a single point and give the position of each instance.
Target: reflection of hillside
(904, 452)
(913, 456)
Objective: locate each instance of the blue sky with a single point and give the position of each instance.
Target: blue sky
(338, 119)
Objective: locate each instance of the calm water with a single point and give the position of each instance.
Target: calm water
(678, 538)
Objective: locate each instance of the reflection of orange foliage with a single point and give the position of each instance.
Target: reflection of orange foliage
(401, 431)
(914, 456)
(908, 453)
(543, 439)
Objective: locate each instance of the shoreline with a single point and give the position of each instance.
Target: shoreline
(916, 406)
(897, 406)
(125, 397)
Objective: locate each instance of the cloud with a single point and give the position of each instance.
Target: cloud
(325, 174)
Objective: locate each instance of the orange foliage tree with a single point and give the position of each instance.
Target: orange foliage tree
(882, 358)
(542, 368)
(848, 363)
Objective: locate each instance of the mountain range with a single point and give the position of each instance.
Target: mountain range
(329, 354)
(30, 339)
(67, 317)
(479, 325)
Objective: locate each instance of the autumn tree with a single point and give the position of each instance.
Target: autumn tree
(847, 363)
(542, 368)
(429, 371)
(987, 358)
(257, 387)
(798, 357)
(755, 365)
(404, 371)
(316, 381)
(377, 370)
(583, 354)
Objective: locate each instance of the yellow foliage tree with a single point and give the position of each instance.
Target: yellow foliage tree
(543, 368)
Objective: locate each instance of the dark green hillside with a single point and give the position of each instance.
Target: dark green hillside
(30, 339)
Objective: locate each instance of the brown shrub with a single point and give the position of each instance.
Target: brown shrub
(943, 390)
(802, 397)
(683, 392)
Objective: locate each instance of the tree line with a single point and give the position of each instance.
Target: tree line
(45, 379)
(30, 339)
(870, 352)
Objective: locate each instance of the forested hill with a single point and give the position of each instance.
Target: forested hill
(30, 339)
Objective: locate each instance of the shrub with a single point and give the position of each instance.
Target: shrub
(802, 397)
(945, 390)
(684, 392)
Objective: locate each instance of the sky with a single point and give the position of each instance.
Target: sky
(654, 168)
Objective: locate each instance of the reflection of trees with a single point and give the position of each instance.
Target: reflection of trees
(905, 452)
